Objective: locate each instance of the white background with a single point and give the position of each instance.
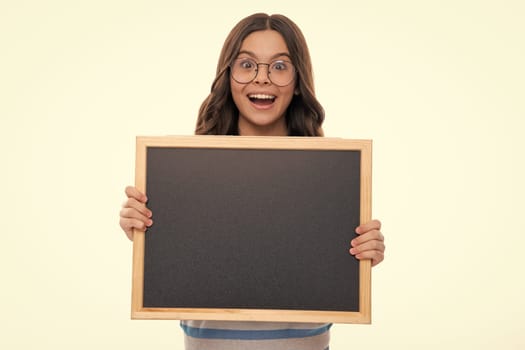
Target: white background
(438, 86)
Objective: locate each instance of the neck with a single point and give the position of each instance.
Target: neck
(278, 129)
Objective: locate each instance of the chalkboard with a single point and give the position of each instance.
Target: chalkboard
(251, 228)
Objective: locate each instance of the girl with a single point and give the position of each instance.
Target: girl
(263, 87)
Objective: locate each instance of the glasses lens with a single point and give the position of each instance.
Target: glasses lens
(281, 72)
(244, 70)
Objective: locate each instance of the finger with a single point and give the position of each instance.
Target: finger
(132, 203)
(129, 225)
(374, 235)
(131, 213)
(368, 226)
(133, 192)
(375, 256)
(369, 245)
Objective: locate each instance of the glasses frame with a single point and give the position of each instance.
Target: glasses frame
(268, 73)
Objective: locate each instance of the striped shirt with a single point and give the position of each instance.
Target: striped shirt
(222, 335)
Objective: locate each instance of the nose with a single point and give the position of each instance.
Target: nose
(260, 76)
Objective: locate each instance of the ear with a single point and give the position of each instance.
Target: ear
(296, 92)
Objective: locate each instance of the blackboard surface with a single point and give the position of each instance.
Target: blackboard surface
(252, 229)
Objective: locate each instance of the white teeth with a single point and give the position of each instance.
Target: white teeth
(262, 96)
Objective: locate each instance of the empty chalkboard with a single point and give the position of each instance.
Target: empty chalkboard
(252, 229)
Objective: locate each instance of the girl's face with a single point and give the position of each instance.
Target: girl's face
(262, 104)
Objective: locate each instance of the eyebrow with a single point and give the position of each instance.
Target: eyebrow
(250, 53)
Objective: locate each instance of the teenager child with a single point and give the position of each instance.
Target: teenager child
(263, 87)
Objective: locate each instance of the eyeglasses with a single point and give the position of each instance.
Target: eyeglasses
(280, 72)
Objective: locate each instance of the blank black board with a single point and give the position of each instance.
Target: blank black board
(251, 228)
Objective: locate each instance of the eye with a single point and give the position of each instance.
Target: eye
(245, 63)
(280, 65)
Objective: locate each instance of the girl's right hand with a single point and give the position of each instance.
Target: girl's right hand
(134, 213)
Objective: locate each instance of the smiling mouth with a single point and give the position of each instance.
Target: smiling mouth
(262, 99)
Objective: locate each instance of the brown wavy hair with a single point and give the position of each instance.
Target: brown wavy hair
(218, 114)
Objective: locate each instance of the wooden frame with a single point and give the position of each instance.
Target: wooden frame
(363, 315)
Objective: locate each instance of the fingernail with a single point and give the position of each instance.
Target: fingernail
(150, 222)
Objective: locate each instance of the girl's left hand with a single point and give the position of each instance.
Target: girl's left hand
(370, 243)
